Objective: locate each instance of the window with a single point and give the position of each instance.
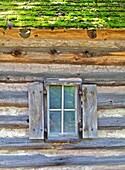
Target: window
(60, 108)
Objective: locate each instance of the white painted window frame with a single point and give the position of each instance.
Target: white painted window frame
(63, 134)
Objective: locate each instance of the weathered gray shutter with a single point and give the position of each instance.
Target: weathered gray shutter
(89, 111)
(36, 111)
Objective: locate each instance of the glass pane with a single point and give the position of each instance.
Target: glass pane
(55, 122)
(55, 96)
(69, 97)
(69, 121)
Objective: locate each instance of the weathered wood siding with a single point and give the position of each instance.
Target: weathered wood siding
(64, 47)
(107, 151)
(14, 127)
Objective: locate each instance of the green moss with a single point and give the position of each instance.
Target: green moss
(63, 13)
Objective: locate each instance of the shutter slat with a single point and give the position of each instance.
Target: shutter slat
(89, 111)
(36, 111)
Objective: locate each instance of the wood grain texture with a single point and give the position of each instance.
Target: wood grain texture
(106, 123)
(13, 98)
(110, 100)
(99, 78)
(26, 143)
(36, 111)
(42, 161)
(89, 111)
(84, 58)
(20, 121)
(64, 34)
(64, 47)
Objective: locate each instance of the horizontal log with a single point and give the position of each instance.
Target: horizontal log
(64, 34)
(106, 123)
(99, 78)
(26, 143)
(42, 161)
(20, 99)
(97, 48)
(110, 100)
(87, 57)
(22, 121)
(12, 98)
(64, 50)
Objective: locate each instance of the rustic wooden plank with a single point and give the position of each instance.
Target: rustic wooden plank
(14, 98)
(110, 100)
(36, 111)
(111, 123)
(15, 161)
(26, 143)
(72, 46)
(20, 99)
(103, 78)
(22, 121)
(65, 50)
(20, 77)
(89, 111)
(99, 78)
(65, 34)
(53, 57)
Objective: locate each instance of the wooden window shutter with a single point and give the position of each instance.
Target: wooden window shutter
(36, 111)
(89, 111)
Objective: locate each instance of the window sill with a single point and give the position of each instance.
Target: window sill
(63, 139)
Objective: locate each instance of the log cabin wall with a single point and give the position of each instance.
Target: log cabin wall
(55, 54)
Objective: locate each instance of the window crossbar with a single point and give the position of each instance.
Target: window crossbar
(62, 110)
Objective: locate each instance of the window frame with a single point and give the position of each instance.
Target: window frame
(76, 82)
(62, 110)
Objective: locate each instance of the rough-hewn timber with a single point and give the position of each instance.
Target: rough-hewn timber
(71, 46)
(26, 143)
(11, 98)
(42, 161)
(99, 78)
(89, 111)
(80, 58)
(102, 34)
(36, 110)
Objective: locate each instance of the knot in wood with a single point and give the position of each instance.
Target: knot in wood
(16, 53)
(88, 54)
(25, 33)
(86, 128)
(53, 51)
(92, 33)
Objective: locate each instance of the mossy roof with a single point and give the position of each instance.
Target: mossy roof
(63, 13)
